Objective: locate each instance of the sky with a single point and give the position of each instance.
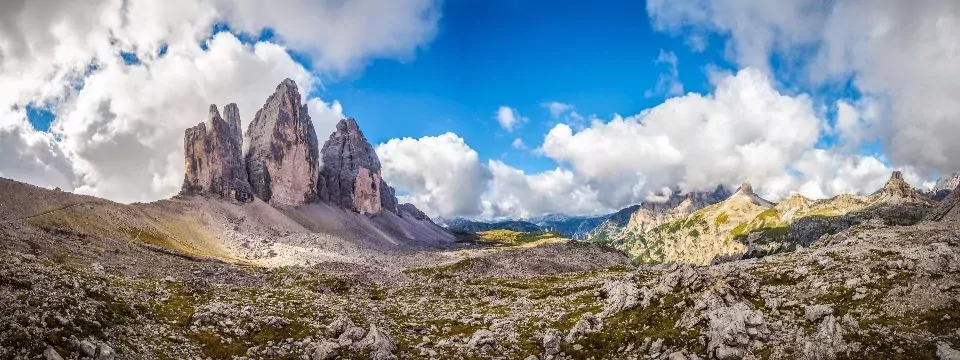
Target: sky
(497, 108)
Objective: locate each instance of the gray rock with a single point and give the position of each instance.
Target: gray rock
(214, 157)
(551, 342)
(411, 210)
(827, 342)
(621, 295)
(51, 354)
(106, 352)
(816, 312)
(732, 328)
(350, 335)
(482, 337)
(350, 177)
(588, 323)
(945, 352)
(283, 158)
(381, 344)
(88, 348)
(325, 351)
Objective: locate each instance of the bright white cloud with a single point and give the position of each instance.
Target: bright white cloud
(515, 194)
(903, 55)
(30, 155)
(339, 34)
(518, 144)
(746, 130)
(443, 175)
(509, 118)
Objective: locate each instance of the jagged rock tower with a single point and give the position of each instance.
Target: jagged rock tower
(351, 176)
(283, 159)
(897, 191)
(213, 157)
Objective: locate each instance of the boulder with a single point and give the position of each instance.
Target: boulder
(380, 343)
(213, 157)
(350, 177)
(283, 158)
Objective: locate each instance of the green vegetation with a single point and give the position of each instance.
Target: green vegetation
(513, 238)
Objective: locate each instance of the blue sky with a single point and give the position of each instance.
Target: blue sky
(519, 54)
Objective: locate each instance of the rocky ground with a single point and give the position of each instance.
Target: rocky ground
(869, 291)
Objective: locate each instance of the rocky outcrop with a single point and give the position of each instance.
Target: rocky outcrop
(897, 191)
(412, 211)
(213, 157)
(283, 159)
(632, 222)
(350, 176)
(948, 209)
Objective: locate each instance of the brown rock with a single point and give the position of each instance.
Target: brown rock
(213, 160)
(948, 209)
(283, 158)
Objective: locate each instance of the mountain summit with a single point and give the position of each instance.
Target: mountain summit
(351, 176)
(897, 191)
(283, 155)
(213, 159)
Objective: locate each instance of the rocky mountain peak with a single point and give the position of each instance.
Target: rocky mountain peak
(746, 189)
(283, 158)
(351, 176)
(896, 187)
(948, 183)
(212, 156)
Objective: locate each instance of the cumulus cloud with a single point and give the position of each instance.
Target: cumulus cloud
(443, 175)
(746, 130)
(902, 55)
(515, 194)
(119, 124)
(518, 144)
(342, 34)
(509, 118)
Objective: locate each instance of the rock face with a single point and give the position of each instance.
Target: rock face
(213, 157)
(283, 159)
(897, 191)
(412, 210)
(948, 209)
(350, 176)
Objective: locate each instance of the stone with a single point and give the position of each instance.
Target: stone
(816, 312)
(51, 354)
(283, 158)
(947, 210)
(945, 352)
(826, 342)
(621, 295)
(588, 323)
(88, 348)
(350, 335)
(106, 353)
(732, 328)
(551, 342)
(213, 157)
(482, 337)
(350, 176)
(325, 351)
(380, 343)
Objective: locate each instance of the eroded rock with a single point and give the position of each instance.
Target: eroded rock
(213, 157)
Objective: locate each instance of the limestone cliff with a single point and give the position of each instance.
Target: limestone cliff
(213, 160)
(283, 158)
(350, 176)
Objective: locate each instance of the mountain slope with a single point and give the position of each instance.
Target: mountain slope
(634, 221)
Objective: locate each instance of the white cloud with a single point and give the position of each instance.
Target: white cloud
(557, 109)
(509, 118)
(339, 34)
(515, 194)
(903, 55)
(443, 175)
(518, 144)
(668, 83)
(746, 130)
